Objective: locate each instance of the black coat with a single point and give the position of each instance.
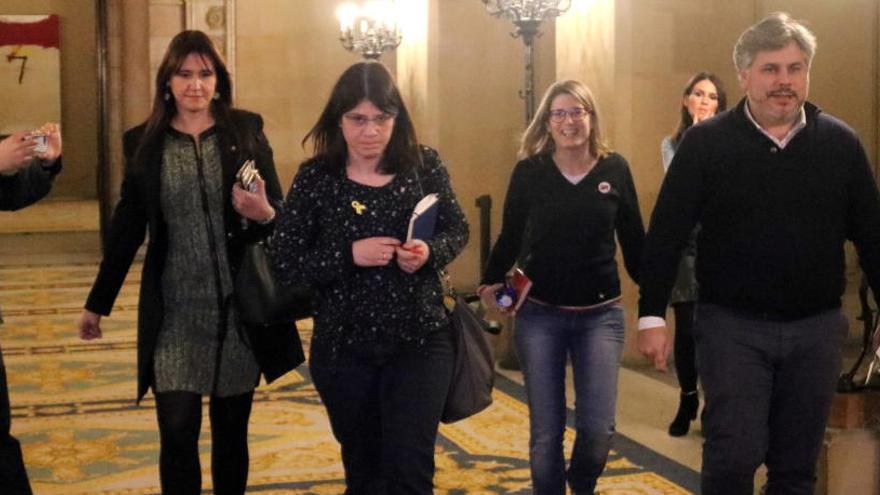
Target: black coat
(26, 187)
(139, 212)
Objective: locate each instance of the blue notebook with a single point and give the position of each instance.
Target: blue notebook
(423, 219)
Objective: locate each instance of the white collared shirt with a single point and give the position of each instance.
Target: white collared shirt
(646, 322)
(782, 143)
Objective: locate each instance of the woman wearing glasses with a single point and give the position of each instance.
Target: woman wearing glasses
(567, 198)
(702, 98)
(382, 352)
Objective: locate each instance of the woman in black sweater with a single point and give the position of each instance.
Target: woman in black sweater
(568, 197)
(382, 351)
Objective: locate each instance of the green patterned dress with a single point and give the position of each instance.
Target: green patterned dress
(186, 356)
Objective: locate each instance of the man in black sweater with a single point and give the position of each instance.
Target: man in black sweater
(26, 175)
(778, 187)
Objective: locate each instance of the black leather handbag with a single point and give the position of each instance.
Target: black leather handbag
(473, 375)
(269, 313)
(259, 299)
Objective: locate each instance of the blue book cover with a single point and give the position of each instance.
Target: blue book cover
(423, 219)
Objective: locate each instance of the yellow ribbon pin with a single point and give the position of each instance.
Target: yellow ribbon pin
(358, 207)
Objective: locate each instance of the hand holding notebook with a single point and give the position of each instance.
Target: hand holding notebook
(521, 284)
(517, 288)
(423, 219)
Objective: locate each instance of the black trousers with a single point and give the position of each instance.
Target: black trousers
(13, 476)
(384, 407)
(768, 387)
(180, 421)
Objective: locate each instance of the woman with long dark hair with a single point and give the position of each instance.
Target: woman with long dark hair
(569, 196)
(702, 98)
(180, 168)
(382, 351)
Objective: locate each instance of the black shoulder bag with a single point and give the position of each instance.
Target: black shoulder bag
(473, 374)
(268, 310)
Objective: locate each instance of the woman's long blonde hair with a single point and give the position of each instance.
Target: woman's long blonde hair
(537, 137)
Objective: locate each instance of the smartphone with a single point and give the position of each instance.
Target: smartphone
(42, 141)
(247, 175)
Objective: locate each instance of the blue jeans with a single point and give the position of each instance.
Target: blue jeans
(545, 336)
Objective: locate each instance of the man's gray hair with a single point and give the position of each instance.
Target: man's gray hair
(773, 32)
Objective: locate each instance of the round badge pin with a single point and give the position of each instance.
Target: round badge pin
(604, 187)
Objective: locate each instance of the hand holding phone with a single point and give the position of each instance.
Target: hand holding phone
(249, 198)
(41, 141)
(247, 176)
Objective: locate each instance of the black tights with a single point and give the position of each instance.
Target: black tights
(180, 421)
(685, 357)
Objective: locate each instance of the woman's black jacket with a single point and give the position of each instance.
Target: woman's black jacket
(139, 212)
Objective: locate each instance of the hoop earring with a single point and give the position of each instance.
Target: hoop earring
(216, 96)
(167, 96)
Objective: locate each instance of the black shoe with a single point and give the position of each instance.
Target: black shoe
(687, 411)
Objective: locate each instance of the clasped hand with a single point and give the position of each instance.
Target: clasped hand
(379, 251)
(655, 345)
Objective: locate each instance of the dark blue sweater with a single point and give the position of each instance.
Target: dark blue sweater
(774, 221)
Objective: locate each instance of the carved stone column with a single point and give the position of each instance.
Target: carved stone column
(217, 19)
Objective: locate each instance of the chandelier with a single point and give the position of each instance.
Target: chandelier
(527, 16)
(369, 30)
(522, 11)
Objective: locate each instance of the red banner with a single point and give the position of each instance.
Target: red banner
(44, 33)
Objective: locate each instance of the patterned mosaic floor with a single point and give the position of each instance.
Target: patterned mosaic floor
(74, 413)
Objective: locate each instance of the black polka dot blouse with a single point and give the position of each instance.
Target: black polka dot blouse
(325, 212)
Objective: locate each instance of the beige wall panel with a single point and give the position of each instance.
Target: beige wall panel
(166, 20)
(129, 80)
(585, 50)
(79, 105)
(418, 72)
(667, 42)
(481, 115)
(288, 57)
(138, 71)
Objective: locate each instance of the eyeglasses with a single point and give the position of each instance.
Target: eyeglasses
(577, 114)
(360, 120)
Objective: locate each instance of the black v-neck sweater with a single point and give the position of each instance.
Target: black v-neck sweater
(774, 220)
(562, 234)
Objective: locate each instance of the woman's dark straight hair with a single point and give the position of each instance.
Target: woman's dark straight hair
(164, 109)
(366, 81)
(685, 121)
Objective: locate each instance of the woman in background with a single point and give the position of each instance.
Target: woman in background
(382, 350)
(180, 168)
(568, 197)
(702, 98)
